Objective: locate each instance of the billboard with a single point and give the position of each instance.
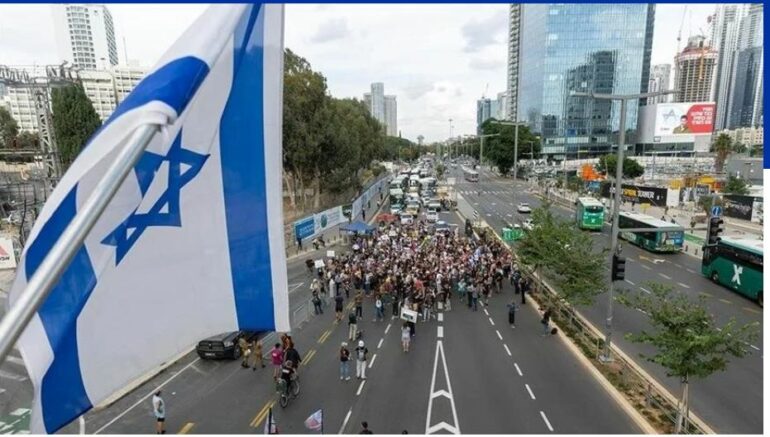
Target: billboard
(7, 255)
(684, 119)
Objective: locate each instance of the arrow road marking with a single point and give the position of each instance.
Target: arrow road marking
(454, 429)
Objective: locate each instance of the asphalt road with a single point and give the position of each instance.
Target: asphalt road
(729, 401)
(467, 371)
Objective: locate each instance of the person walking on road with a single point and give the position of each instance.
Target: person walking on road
(378, 309)
(526, 284)
(276, 357)
(475, 297)
(256, 354)
(352, 326)
(344, 362)
(512, 308)
(406, 336)
(359, 300)
(338, 304)
(361, 352)
(546, 320)
(332, 289)
(316, 299)
(159, 411)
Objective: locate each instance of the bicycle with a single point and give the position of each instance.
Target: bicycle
(288, 391)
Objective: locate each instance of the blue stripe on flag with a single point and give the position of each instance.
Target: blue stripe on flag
(242, 146)
(62, 393)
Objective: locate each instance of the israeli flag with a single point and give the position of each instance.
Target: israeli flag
(192, 244)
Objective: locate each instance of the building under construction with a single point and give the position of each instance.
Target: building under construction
(695, 71)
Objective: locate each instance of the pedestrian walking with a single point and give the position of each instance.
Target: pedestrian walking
(243, 345)
(344, 362)
(361, 352)
(352, 326)
(359, 300)
(332, 288)
(338, 304)
(159, 411)
(469, 295)
(475, 298)
(512, 308)
(526, 285)
(299, 243)
(256, 355)
(545, 321)
(276, 357)
(378, 309)
(316, 299)
(406, 336)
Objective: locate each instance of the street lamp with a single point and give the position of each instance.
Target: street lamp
(624, 98)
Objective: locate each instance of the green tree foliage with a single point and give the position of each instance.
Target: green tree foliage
(499, 149)
(74, 121)
(27, 140)
(723, 146)
(736, 185)
(440, 169)
(395, 148)
(607, 165)
(565, 255)
(8, 128)
(686, 339)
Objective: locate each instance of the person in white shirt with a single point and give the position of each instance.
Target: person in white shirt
(159, 411)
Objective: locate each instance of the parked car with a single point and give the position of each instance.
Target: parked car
(224, 345)
(524, 208)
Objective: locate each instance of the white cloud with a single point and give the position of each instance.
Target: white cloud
(485, 32)
(336, 28)
(486, 64)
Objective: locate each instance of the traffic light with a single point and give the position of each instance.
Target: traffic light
(618, 267)
(716, 227)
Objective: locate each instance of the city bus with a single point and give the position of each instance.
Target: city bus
(589, 213)
(737, 265)
(470, 175)
(654, 241)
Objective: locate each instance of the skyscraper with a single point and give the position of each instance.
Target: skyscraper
(695, 70)
(514, 32)
(483, 112)
(745, 105)
(726, 26)
(383, 108)
(378, 101)
(580, 47)
(660, 80)
(391, 116)
(85, 35)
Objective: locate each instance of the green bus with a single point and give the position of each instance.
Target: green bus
(589, 213)
(736, 264)
(654, 241)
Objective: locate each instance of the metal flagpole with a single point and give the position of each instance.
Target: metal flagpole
(61, 254)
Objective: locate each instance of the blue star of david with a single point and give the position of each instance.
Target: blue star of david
(128, 232)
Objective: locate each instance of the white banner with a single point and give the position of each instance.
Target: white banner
(7, 255)
(327, 219)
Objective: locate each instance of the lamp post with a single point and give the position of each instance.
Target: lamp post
(623, 98)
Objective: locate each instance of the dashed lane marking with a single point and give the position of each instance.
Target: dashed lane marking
(754, 347)
(646, 267)
(498, 334)
(678, 265)
(547, 423)
(752, 310)
(725, 301)
(629, 282)
(691, 271)
(507, 350)
(485, 312)
(645, 290)
(532, 395)
(706, 294)
(345, 422)
(517, 369)
(186, 428)
(387, 328)
(371, 363)
(664, 276)
(440, 332)
(379, 345)
(360, 387)
(440, 317)
(491, 321)
(683, 285)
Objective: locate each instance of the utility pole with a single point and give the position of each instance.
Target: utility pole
(614, 249)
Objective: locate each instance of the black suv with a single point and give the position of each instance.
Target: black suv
(224, 345)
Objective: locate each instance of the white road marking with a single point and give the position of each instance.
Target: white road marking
(643, 311)
(491, 321)
(683, 285)
(485, 311)
(11, 375)
(379, 345)
(646, 266)
(507, 350)
(440, 332)
(691, 271)
(371, 363)
(498, 335)
(146, 396)
(677, 264)
(664, 276)
(532, 395)
(15, 360)
(645, 290)
(517, 369)
(446, 393)
(754, 347)
(629, 282)
(440, 317)
(293, 287)
(345, 422)
(387, 328)
(547, 423)
(360, 387)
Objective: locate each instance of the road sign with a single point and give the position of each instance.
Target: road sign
(716, 211)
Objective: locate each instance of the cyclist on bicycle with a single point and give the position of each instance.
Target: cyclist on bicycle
(287, 374)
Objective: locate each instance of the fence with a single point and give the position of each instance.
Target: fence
(645, 394)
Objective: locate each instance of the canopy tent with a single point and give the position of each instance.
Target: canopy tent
(357, 227)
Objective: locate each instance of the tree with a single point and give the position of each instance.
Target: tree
(499, 149)
(440, 169)
(608, 166)
(8, 128)
(565, 255)
(74, 121)
(736, 185)
(27, 140)
(687, 342)
(723, 146)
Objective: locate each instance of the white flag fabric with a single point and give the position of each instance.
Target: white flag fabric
(192, 244)
(315, 421)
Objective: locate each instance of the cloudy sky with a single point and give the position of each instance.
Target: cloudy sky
(438, 59)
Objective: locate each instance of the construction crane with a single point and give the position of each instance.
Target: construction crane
(676, 56)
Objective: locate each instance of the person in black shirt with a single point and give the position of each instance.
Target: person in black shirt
(365, 428)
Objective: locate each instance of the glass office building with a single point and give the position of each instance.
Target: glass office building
(604, 48)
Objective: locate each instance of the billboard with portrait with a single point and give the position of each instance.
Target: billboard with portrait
(684, 119)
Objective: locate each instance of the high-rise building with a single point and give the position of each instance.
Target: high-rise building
(514, 32)
(125, 78)
(502, 106)
(660, 80)
(695, 70)
(745, 105)
(725, 40)
(85, 35)
(100, 90)
(391, 116)
(20, 102)
(483, 112)
(383, 108)
(580, 47)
